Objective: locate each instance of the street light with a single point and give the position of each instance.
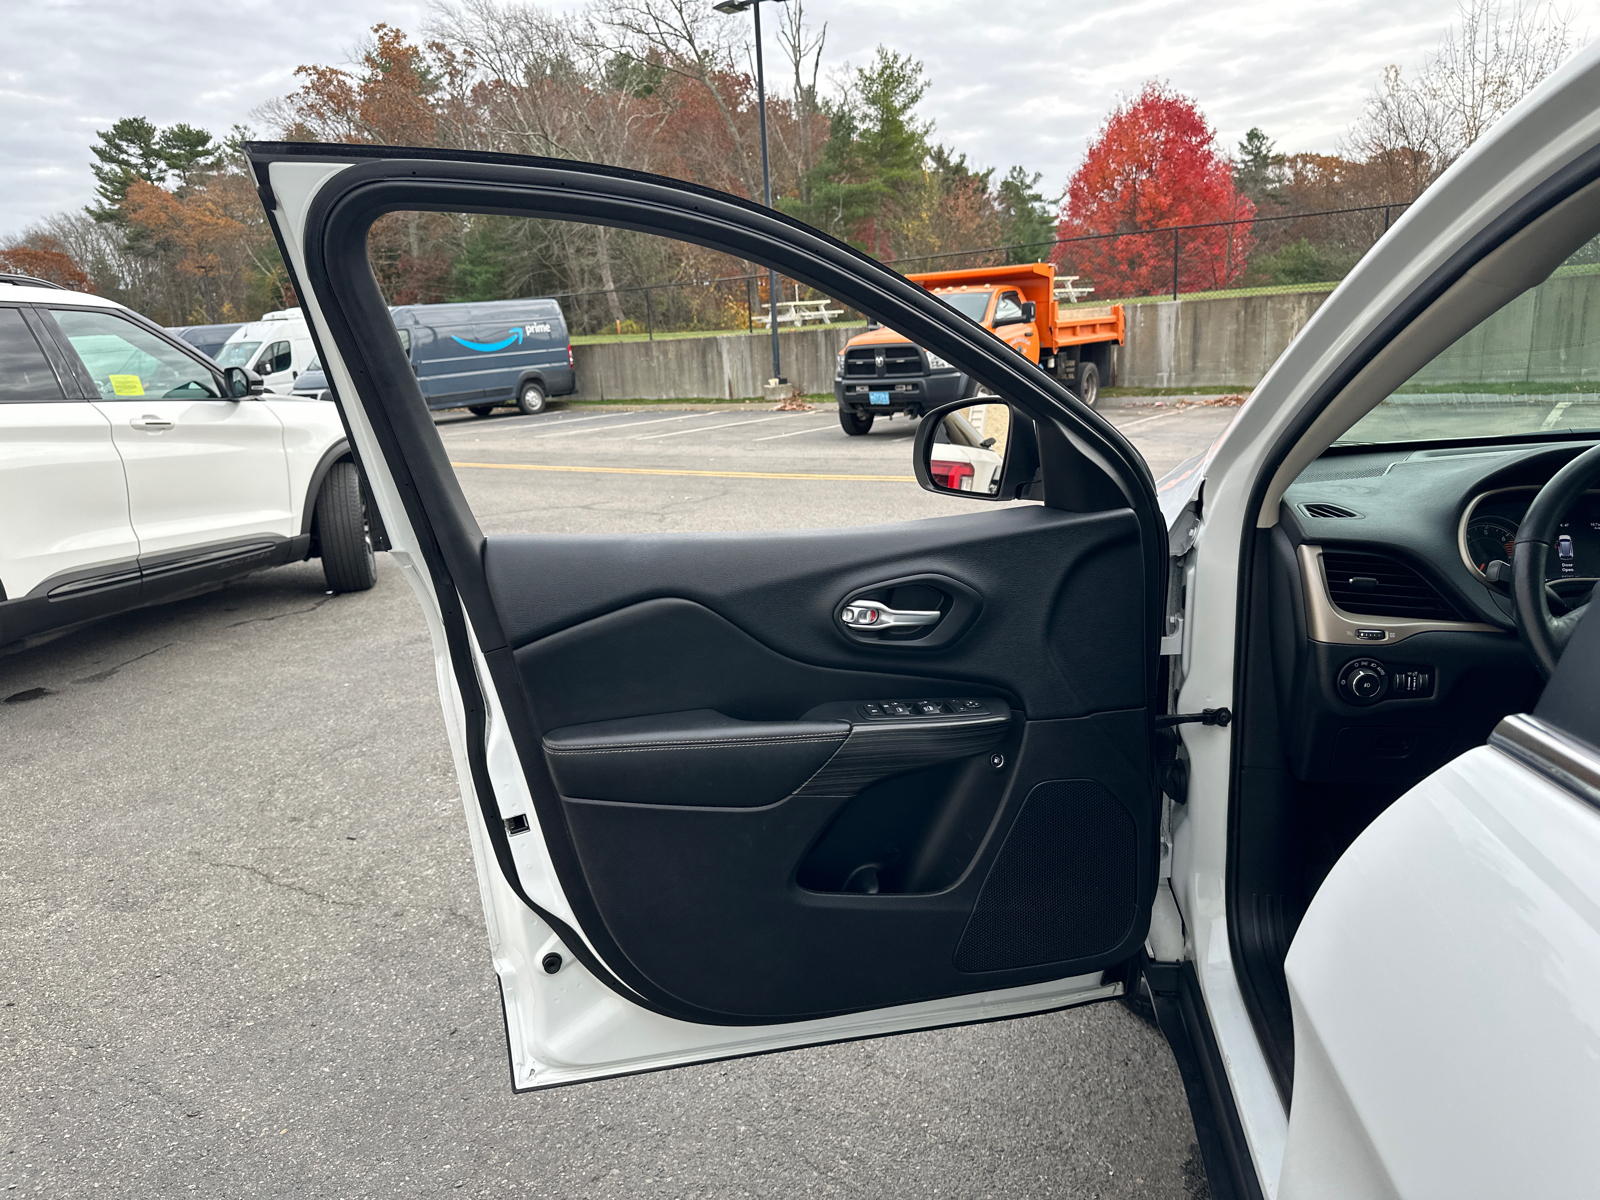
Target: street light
(738, 6)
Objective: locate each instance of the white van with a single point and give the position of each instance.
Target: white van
(277, 348)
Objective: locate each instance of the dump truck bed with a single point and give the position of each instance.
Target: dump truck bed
(1058, 325)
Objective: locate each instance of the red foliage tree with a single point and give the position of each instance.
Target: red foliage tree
(1154, 164)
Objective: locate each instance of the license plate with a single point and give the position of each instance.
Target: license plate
(877, 397)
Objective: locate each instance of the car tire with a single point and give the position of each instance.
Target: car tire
(530, 399)
(854, 422)
(1087, 384)
(480, 410)
(348, 561)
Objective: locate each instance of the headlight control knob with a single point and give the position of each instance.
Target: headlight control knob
(1364, 681)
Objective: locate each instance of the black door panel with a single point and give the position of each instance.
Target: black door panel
(758, 845)
(1060, 631)
(707, 905)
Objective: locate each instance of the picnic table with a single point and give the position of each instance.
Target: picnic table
(1067, 291)
(799, 312)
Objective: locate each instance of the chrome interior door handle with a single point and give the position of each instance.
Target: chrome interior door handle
(152, 424)
(868, 614)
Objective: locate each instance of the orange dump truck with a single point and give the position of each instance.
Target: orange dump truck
(880, 372)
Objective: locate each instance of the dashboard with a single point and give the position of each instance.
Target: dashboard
(1392, 652)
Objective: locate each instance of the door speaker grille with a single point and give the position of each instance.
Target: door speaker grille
(1064, 885)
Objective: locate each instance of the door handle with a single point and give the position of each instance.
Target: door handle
(150, 423)
(868, 614)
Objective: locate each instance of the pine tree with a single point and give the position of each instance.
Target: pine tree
(1030, 220)
(127, 151)
(875, 154)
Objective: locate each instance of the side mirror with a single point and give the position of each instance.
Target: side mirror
(979, 449)
(243, 382)
(1029, 308)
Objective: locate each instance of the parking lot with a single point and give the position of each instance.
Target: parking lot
(241, 951)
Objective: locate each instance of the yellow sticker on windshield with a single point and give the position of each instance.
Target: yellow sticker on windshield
(126, 385)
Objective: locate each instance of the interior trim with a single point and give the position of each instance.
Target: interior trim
(1329, 623)
(1559, 757)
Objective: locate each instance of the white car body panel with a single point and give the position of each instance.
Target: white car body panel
(217, 474)
(311, 428)
(1560, 121)
(1446, 991)
(62, 492)
(986, 465)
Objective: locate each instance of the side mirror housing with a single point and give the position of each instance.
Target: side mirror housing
(1029, 309)
(978, 449)
(243, 383)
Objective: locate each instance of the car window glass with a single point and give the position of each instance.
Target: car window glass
(1532, 366)
(127, 362)
(25, 372)
(276, 357)
(616, 380)
(237, 354)
(1008, 308)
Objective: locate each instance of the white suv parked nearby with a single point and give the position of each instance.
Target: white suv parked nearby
(133, 470)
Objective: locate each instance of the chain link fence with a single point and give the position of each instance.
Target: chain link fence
(1264, 254)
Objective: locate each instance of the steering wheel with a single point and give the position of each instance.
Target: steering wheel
(1544, 635)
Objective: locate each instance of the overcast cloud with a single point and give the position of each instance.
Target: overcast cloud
(1022, 82)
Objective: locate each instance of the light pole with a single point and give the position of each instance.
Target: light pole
(738, 6)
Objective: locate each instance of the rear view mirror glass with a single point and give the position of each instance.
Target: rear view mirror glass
(966, 453)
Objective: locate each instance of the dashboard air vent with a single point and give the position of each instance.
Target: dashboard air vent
(1381, 586)
(1325, 510)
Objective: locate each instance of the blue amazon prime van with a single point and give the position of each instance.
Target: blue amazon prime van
(485, 355)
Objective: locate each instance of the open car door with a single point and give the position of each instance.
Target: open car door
(712, 814)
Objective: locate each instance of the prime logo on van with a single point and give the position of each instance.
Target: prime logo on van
(514, 339)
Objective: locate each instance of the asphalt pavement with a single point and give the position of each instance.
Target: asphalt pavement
(241, 951)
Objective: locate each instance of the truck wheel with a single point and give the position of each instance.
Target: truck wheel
(348, 563)
(1088, 383)
(480, 410)
(855, 423)
(530, 399)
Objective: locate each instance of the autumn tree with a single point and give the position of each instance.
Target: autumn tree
(44, 257)
(1415, 126)
(1154, 164)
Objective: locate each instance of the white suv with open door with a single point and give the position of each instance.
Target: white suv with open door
(1302, 743)
(133, 470)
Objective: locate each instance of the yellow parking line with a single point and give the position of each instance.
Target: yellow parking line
(703, 474)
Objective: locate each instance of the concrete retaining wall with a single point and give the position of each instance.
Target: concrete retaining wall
(1177, 343)
(1210, 343)
(732, 367)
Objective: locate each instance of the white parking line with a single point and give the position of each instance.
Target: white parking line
(1172, 412)
(626, 425)
(795, 433)
(650, 437)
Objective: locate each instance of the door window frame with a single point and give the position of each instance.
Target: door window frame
(1097, 469)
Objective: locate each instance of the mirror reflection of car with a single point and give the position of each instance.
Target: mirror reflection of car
(961, 459)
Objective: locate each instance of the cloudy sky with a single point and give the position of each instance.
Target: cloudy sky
(1027, 87)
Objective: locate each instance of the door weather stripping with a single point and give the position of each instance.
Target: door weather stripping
(866, 615)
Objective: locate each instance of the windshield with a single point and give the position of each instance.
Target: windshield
(968, 304)
(1531, 367)
(237, 354)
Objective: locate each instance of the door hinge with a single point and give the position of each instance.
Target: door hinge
(1211, 716)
